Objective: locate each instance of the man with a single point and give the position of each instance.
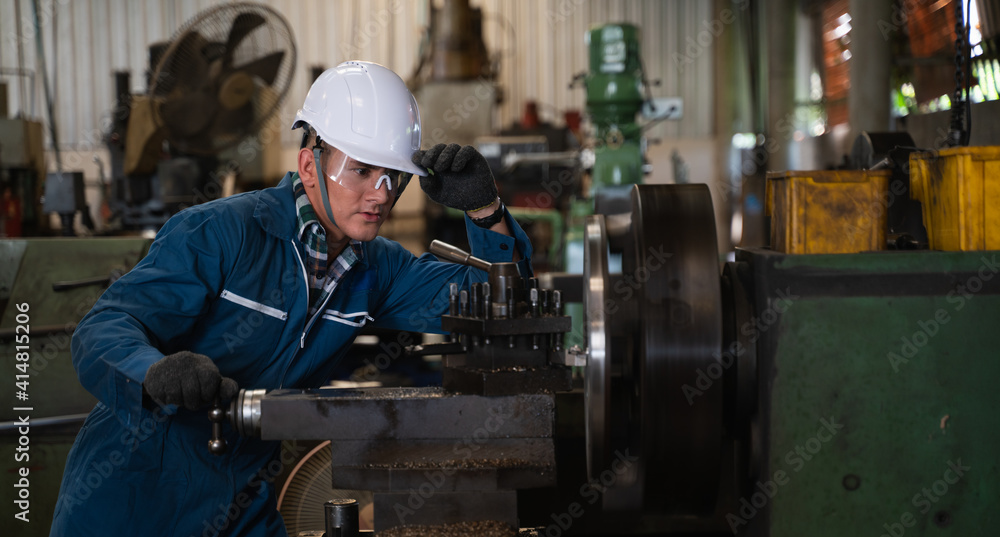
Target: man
(262, 290)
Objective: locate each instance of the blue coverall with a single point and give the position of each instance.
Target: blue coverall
(226, 279)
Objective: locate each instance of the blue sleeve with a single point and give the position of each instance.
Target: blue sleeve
(148, 312)
(416, 290)
(498, 248)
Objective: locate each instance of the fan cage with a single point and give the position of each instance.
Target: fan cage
(308, 487)
(206, 35)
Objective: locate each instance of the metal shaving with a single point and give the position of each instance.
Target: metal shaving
(483, 528)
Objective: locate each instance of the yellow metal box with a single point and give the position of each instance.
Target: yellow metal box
(828, 211)
(959, 189)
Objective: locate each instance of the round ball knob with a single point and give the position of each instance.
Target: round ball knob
(217, 446)
(216, 414)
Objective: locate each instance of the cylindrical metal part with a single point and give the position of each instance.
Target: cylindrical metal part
(511, 305)
(244, 412)
(457, 42)
(534, 312)
(487, 302)
(457, 255)
(341, 518)
(475, 299)
(511, 313)
(487, 308)
(557, 342)
(217, 444)
(453, 299)
(463, 301)
(504, 276)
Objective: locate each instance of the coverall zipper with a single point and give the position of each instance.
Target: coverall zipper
(312, 319)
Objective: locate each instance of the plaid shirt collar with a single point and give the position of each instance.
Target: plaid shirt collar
(323, 276)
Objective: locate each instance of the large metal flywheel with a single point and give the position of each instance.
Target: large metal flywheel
(653, 332)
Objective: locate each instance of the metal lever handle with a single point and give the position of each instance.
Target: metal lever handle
(217, 414)
(457, 255)
(99, 280)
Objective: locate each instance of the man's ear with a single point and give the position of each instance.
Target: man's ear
(307, 167)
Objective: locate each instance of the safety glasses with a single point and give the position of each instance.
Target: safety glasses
(358, 176)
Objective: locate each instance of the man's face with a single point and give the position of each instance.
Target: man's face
(360, 210)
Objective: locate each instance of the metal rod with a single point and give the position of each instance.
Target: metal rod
(557, 310)
(11, 333)
(457, 255)
(568, 158)
(45, 82)
(533, 295)
(43, 422)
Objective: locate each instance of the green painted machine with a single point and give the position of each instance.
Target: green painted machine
(876, 383)
(617, 92)
(809, 394)
(614, 87)
(46, 287)
(614, 98)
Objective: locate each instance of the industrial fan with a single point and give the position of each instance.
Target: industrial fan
(308, 487)
(217, 82)
(222, 77)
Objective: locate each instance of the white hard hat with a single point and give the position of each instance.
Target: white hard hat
(366, 111)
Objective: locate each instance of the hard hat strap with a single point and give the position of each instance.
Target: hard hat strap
(321, 179)
(404, 179)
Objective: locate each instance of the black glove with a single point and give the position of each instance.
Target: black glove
(459, 177)
(187, 380)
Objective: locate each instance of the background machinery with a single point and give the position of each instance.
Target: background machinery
(778, 394)
(214, 91)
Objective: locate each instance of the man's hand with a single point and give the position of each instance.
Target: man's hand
(187, 380)
(459, 177)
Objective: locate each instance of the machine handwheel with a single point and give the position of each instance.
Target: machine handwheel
(680, 317)
(597, 382)
(668, 303)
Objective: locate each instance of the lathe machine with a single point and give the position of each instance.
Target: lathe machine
(781, 395)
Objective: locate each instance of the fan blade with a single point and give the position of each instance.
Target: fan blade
(186, 67)
(231, 126)
(243, 24)
(265, 68)
(188, 114)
